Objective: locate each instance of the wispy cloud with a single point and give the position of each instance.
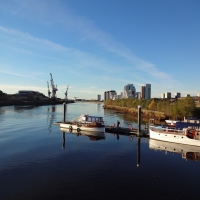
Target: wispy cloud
(44, 12)
(17, 74)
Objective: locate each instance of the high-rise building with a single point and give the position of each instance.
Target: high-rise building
(109, 94)
(148, 91)
(177, 95)
(145, 92)
(142, 92)
(129, 91)
(99, 97)
(167, 95)
(163, 95)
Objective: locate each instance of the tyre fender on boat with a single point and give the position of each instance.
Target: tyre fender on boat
(70, 128)
(78, 129)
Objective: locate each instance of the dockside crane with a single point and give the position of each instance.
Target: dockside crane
(66, 98)
(49, 93)
(53, 87)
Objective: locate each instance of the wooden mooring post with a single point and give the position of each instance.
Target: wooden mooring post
(64, 112)
(63, 140)
(139, 121)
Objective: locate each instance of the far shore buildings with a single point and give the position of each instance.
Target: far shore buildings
(145, 92)
(99, 97)
(109, 94)
(130, 92)
(27, 94)
(167, 95)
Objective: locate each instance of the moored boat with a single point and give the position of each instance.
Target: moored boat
(85, 123)
(189, 136)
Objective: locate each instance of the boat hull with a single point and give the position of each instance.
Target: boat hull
(175, 138)
(82, 127)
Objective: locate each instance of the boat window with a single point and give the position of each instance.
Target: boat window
(93, 119)
(97, 119)
(89, 119)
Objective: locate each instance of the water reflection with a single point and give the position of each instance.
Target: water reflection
(93, 136)
(20, 109)
(51, 117)
(188, 152)
(99, 107)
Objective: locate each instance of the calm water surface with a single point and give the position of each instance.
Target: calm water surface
(40, 161)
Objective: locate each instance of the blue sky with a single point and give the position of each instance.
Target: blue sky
(94, 46)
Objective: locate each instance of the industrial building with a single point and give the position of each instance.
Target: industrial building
(26, 94)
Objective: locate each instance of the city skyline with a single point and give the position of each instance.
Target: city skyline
(94, 46)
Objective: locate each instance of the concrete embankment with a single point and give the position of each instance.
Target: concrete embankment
(147, 114)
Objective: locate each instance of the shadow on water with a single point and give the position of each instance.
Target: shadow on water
(23, 108)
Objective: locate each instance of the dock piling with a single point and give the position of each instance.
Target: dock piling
(139, 120)
(64, 112)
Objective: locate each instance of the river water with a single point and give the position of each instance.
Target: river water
(40, 161)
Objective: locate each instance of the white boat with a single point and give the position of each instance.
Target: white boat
(189, 136)
(189, 152)
(85, 123)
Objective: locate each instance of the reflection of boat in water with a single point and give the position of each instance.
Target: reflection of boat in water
(85, 123)
(188, 152)
(94, 136)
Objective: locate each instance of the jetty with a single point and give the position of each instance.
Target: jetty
(130, 131)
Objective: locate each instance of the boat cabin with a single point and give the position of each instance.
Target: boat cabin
(88, 118)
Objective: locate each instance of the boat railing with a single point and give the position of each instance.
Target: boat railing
(166, 129)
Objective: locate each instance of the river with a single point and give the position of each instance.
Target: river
(39, 161)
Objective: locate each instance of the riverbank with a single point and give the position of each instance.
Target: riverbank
(146, 114)
(35, 103)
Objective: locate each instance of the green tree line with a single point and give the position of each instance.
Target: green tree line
(179, 109)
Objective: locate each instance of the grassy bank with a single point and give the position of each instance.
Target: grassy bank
(147, 114)
(156, 108)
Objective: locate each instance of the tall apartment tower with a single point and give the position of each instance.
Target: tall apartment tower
(142, 92)
(163, 95)
(145, 92)
(177, 95)
(99, 97)
(109, 94)
(167, 95)
(129, 91)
